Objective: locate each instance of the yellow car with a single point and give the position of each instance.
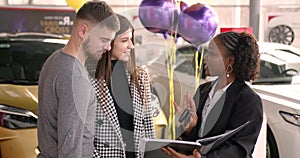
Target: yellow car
(21, 58)
(18, 133)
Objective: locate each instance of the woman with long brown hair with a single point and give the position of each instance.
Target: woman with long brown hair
(123, 114)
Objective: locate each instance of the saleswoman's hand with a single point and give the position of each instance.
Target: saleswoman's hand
(173, 154)
(188, 104)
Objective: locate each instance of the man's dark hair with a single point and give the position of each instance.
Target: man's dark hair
(98, 11)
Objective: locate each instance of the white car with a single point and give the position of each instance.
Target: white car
(283, 28)
(279, 65)
(281, 54)
(281, 104)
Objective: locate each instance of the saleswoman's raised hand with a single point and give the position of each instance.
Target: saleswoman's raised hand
(189, 110)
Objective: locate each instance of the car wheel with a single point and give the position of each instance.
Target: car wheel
(272, 150)
(282, 34)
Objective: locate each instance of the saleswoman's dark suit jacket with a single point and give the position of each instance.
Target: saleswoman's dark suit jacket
(238, 105)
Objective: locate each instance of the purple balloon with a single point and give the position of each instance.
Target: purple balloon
(182, 5)
(158, 16)
(198, 24)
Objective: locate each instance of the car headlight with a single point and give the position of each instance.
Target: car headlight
(16, 118)
(293, 119)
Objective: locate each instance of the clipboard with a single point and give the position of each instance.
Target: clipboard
(151, 148)
(211, 143)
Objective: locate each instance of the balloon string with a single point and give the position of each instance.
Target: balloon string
(173, 19)
(198, 66)
(196, 69)
(171, 56)
(178, 5)
(177, 22)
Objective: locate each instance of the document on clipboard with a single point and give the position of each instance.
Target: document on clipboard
(211, 143)
(151, 148)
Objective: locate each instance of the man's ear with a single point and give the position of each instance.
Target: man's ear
(82, 30)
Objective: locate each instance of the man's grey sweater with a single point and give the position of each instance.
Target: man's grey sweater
(66, 112)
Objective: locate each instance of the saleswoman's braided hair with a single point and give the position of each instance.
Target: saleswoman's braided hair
(243, 46)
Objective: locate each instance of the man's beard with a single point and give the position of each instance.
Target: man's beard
(89, 52)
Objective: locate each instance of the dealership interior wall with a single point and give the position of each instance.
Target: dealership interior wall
(238, 10)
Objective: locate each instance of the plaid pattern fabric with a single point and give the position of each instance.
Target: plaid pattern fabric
(108, 138)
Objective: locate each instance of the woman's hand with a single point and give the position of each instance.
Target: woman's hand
(173, 154)
(188, 104)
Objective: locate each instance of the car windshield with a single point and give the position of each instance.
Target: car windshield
(21, 61)
(278, 67)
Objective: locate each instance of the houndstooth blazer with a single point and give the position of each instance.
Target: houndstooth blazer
(108, 138)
